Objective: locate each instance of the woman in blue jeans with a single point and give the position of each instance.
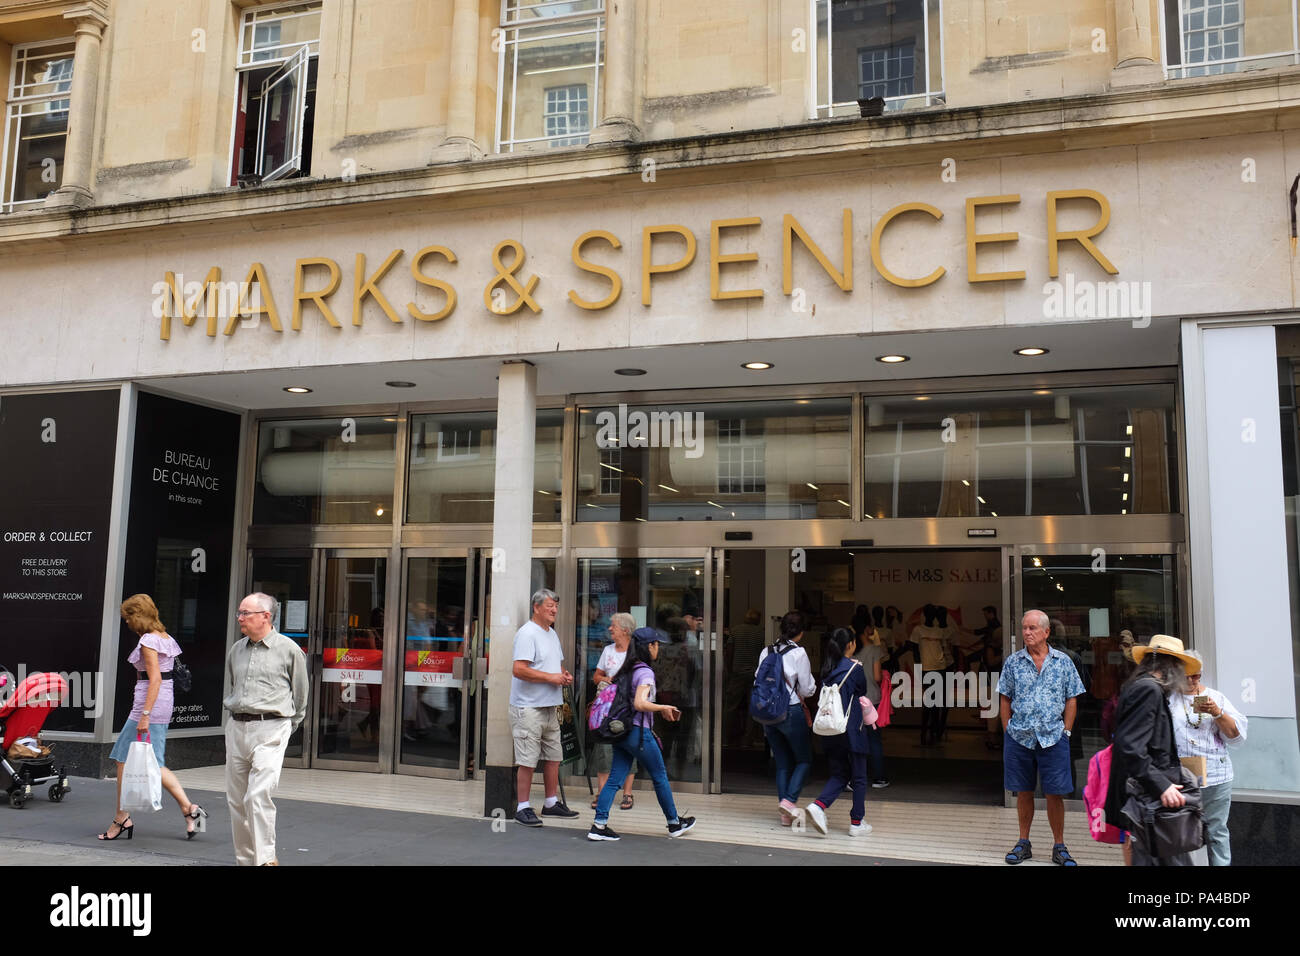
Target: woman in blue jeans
(791, 740)
(640, 743)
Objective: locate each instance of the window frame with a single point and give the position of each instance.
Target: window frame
(247, 62)
(566, 22)
(16, 103)
(1185, 70)
(818, 71)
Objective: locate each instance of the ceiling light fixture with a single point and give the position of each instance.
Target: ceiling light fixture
(397, 384)
(757, 366)
(1032, 351)
(923, 398)
(965, 482)
(812, 486)
(893, 359)
(1126, 476)
(980, 500)
(629, 371)
(666, 488)
(297, 389)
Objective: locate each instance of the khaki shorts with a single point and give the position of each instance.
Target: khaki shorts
(536, 731)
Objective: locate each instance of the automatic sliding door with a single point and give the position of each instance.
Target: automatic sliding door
(671, 595)
(1099, 604)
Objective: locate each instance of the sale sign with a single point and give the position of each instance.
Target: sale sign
(431, 668)
(353, 665)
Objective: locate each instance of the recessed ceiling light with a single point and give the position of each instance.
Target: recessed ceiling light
(297, 389)
(812, 486)
(379, 512)
(757, 366)
(923, 398)
(993, 513)
(965, 482)
(400, 384)
(1043, 391)
(980, 500)
(1032, 351)
(629, 371)
(893, 359)
(1126, 476)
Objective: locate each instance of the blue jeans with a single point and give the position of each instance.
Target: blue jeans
(846, 767)
(639, 745)
(792, 748)
(1216, 801)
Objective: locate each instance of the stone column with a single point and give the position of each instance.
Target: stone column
(619, 123)
(78, 155)
(1135, 64)
(512, 554)
(462, 88)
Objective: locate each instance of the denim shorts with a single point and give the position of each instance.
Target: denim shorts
(157, 737)
(1021, 766)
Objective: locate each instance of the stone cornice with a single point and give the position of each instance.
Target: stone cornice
(1265, 101)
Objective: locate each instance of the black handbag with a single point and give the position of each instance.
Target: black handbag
(182, 679)
(1166, 831)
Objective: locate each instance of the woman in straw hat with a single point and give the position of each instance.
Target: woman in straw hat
(1145, 749)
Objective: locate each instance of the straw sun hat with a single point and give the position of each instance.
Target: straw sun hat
(1164, 644)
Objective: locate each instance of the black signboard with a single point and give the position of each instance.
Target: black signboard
(179, 542)
(56, 487)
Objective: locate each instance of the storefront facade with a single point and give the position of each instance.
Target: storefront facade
(1002, 360)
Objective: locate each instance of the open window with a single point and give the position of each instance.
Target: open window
(889, 51)
(276, 102)
(36, 122)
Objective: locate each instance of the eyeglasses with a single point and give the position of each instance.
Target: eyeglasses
(248, 613)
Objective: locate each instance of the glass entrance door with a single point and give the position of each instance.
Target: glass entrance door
(350, 681)
(1100, 602)
(671, 593)
(288, 576)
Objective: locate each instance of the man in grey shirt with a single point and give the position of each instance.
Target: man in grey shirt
(536, 693)
(266, 674)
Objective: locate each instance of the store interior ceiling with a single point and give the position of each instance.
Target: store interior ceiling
(849, 359)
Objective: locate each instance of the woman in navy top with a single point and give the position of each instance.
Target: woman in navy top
(846, 752)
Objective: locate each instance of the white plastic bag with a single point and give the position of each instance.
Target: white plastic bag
(141, 778)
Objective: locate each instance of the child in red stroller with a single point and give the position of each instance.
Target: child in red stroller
(23, 709)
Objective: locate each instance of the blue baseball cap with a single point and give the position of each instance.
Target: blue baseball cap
(646, 635)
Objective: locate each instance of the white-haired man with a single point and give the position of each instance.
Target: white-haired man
(1038, 688)
(536, 694)
(266, 681)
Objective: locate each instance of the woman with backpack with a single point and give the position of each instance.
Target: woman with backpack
(846, 752)
(790, 740)
(639, 743)
(621, 626)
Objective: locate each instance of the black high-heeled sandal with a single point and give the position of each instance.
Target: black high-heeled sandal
(121, 828)
(199, 815)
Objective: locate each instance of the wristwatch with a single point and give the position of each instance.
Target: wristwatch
(144, 713)
(1068, 734)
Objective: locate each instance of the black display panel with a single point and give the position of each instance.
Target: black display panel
(179, 544)
(56, 487)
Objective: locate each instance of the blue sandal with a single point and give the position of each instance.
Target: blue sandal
(1062, 856)
(1020, 853)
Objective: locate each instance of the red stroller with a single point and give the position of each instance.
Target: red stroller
(23, 710)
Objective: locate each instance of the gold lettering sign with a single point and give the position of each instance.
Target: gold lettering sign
(506, 294)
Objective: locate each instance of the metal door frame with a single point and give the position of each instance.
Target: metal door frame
(384, 761)
(473, 561)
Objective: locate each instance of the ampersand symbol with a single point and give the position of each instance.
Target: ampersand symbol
(507, 275)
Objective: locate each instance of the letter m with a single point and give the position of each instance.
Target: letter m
(115, 907)
(175, 306)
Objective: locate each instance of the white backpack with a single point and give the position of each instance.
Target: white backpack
(831, 719)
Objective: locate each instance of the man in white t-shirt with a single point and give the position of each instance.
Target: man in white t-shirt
(536, 693)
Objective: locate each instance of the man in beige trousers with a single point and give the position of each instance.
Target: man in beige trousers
(266, 674)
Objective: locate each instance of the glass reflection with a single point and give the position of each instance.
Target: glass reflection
(330, 471)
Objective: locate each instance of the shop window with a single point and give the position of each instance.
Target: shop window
(36, 122)
(325, 471)
(716, 461)
(1071, 451)
(451, 478)
(868, 49)
(551, 68)
(275, 103)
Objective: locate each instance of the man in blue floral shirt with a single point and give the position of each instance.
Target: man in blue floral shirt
(1038, 688)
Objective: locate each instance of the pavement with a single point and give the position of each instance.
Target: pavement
(314, 833)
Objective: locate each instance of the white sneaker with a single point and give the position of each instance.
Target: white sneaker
(859, 829)
(818, 817)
